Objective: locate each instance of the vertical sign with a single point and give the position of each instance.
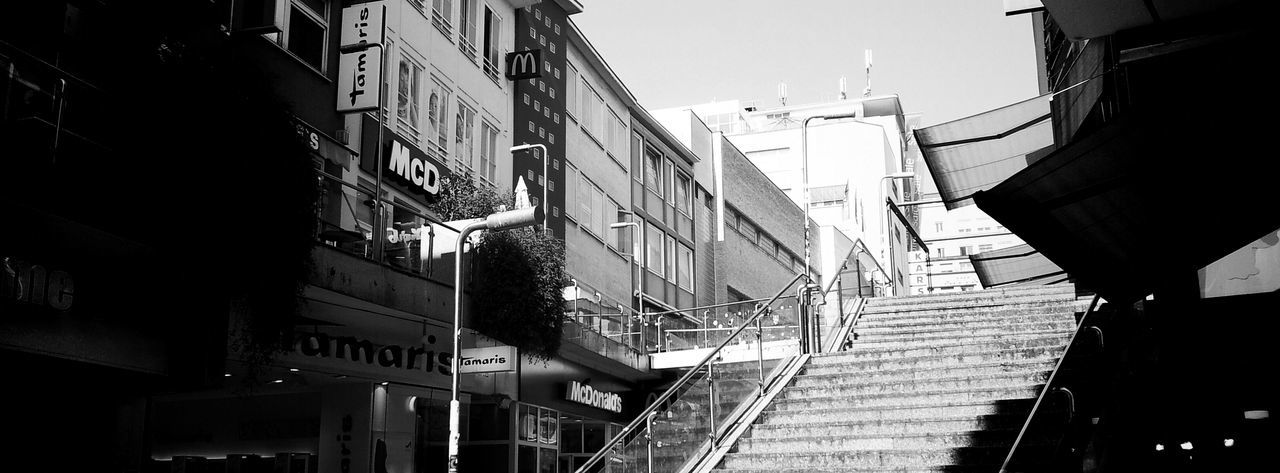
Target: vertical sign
(360, 62)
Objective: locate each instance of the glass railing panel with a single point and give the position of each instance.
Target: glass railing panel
(345, 218)
(749, 352)
(682, 428)
(410, 241)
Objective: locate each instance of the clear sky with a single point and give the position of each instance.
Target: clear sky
(947, 59)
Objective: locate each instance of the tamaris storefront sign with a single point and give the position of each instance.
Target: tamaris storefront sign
(588, 395)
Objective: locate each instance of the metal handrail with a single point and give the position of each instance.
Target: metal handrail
(1048, 384)
(680, 383)
(392, 203)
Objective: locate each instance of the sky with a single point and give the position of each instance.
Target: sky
(946, 59)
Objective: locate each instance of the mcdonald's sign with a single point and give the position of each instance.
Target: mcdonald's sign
(524, 64)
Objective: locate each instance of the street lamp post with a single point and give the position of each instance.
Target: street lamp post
(888, 220)
(546, 179)
(804, 191)
(493, 222)
(635, 232)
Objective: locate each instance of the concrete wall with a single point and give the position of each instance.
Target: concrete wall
(588, 258)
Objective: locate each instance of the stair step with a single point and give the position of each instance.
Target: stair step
(1055, 289)
(863, 390)
(1019, 406)
(887, 469)
(909, 319)
(917, 373)
(993, 343)
(837, 443)
(951, 423)
(872, 325)
(1062, 291)
(976, 304)
(960, 336)
(933, 396)
(950, 316)
(876, 458)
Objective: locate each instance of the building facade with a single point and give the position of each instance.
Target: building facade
(847, 160)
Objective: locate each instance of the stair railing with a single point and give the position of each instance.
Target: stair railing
(689, 418)
(848, 296)
(1049, 386)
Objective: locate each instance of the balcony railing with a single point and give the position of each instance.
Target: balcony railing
(410, 240)
(693, 416)
(43, 107)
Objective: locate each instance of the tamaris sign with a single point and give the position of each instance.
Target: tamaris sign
(360, 63)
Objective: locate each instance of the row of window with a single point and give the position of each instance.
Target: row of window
(585, 105)
(468, 14)
(433, 134)
(753, 234)
(594, 211)
(661, 176)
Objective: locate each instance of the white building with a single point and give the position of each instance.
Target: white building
(847, 159)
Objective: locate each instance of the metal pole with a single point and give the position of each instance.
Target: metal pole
(648, 437)
(804, 190)
(454, 407)
(760, 348)
(379, 233)
(711, 401)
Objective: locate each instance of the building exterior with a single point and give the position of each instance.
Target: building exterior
(362, 384)
(847, 161)
(951, 236)
(751, 224)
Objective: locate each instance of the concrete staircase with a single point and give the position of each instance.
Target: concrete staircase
(932, 383)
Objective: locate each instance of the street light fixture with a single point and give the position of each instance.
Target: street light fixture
(494, 222)
(804, 179)
(888, 235)
(546, 178)
(635, 242)
(808, 245)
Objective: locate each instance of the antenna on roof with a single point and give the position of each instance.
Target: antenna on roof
(782, 93)
(843, 95)
(866, 54)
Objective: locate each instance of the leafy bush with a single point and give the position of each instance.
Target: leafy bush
(519, 274)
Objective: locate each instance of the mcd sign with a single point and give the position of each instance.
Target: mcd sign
(525, 64)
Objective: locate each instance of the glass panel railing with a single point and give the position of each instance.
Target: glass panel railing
(604, 326)
(746, 352)
(408, 239)
(840, 297)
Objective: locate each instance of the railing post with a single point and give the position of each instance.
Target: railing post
(648, 438)
(802, 321)
(711, 401)
(760, 347)
(816, 318)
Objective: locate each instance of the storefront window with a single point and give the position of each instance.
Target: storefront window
(539, 438)
(581, 438)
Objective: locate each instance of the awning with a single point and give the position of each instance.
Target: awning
(1014, 265)
(1141, 202)
(1093, 18)
(975, 153)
